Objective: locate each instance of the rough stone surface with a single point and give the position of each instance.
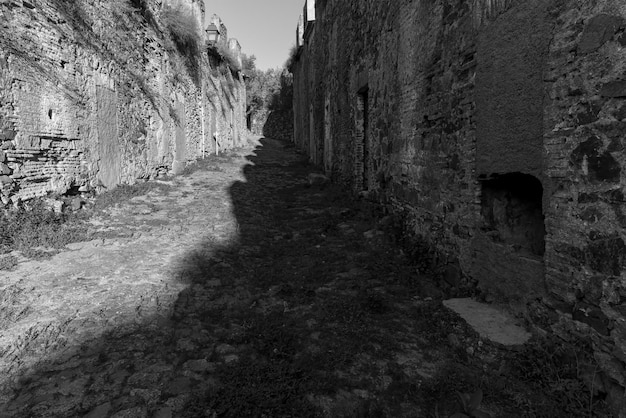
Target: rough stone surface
(429, 106)
(615, 88)
(241, 293)
(598, 30)
(100, 411)
(98, 94)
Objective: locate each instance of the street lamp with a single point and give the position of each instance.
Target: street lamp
(213, 33)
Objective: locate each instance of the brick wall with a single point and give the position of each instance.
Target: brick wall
(95, 93)
(496, 130)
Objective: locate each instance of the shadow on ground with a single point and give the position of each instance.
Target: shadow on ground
(309, 312)
(315, 312)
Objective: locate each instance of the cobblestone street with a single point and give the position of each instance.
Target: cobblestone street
(236, 295)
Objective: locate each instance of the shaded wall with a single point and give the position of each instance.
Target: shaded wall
(279, 125)
(96, 93)
(495, 130)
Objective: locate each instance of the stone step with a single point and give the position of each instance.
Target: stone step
(490, 322)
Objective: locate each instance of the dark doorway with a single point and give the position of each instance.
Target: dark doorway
(512, 211)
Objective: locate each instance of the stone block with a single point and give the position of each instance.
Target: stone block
(620, 114)
(606, 255)
(588, 115)
(7, 135)
(592, 316)
(101, 411)
(491, 323)
(616, 88)
(178, 167)
(165, 412)
(6, 145)
(599, 166)
(598, 31)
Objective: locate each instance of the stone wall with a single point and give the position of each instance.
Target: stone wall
(279, 125)
(96, 93)
(496, 129)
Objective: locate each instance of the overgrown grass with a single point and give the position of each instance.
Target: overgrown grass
(125, 192)
(564, 374)
(35, 225)
(35, 229)
(546, 378)
(224, 58)
(229, 57)
(8, 262)
(183, 28)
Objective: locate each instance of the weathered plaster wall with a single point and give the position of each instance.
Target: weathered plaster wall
(496, 129)
(95, 93)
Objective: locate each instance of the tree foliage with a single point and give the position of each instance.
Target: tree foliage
(266, 91)
(261, 86)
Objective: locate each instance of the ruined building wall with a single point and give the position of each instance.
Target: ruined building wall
(96, 93)
(496, 129)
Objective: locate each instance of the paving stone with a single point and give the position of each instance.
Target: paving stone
(616, 88)
(135, 412)
(165, 412)
(224, 349)
(179, 386)
(200, 365)
(231, 358)
(177, 403)
(149, 396)
(142, 380)
(101, 411)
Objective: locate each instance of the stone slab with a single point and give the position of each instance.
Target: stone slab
(491, 323)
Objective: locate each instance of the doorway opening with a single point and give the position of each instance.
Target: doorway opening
(511, 207)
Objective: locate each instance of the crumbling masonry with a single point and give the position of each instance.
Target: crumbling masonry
(496, 128)
(95, 93)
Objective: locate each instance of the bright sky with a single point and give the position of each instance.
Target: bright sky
(264, 28)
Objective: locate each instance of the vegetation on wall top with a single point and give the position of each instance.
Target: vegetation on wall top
(223, 55)
(183, 28)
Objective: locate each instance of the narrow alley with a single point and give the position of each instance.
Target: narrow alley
(230, 293)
